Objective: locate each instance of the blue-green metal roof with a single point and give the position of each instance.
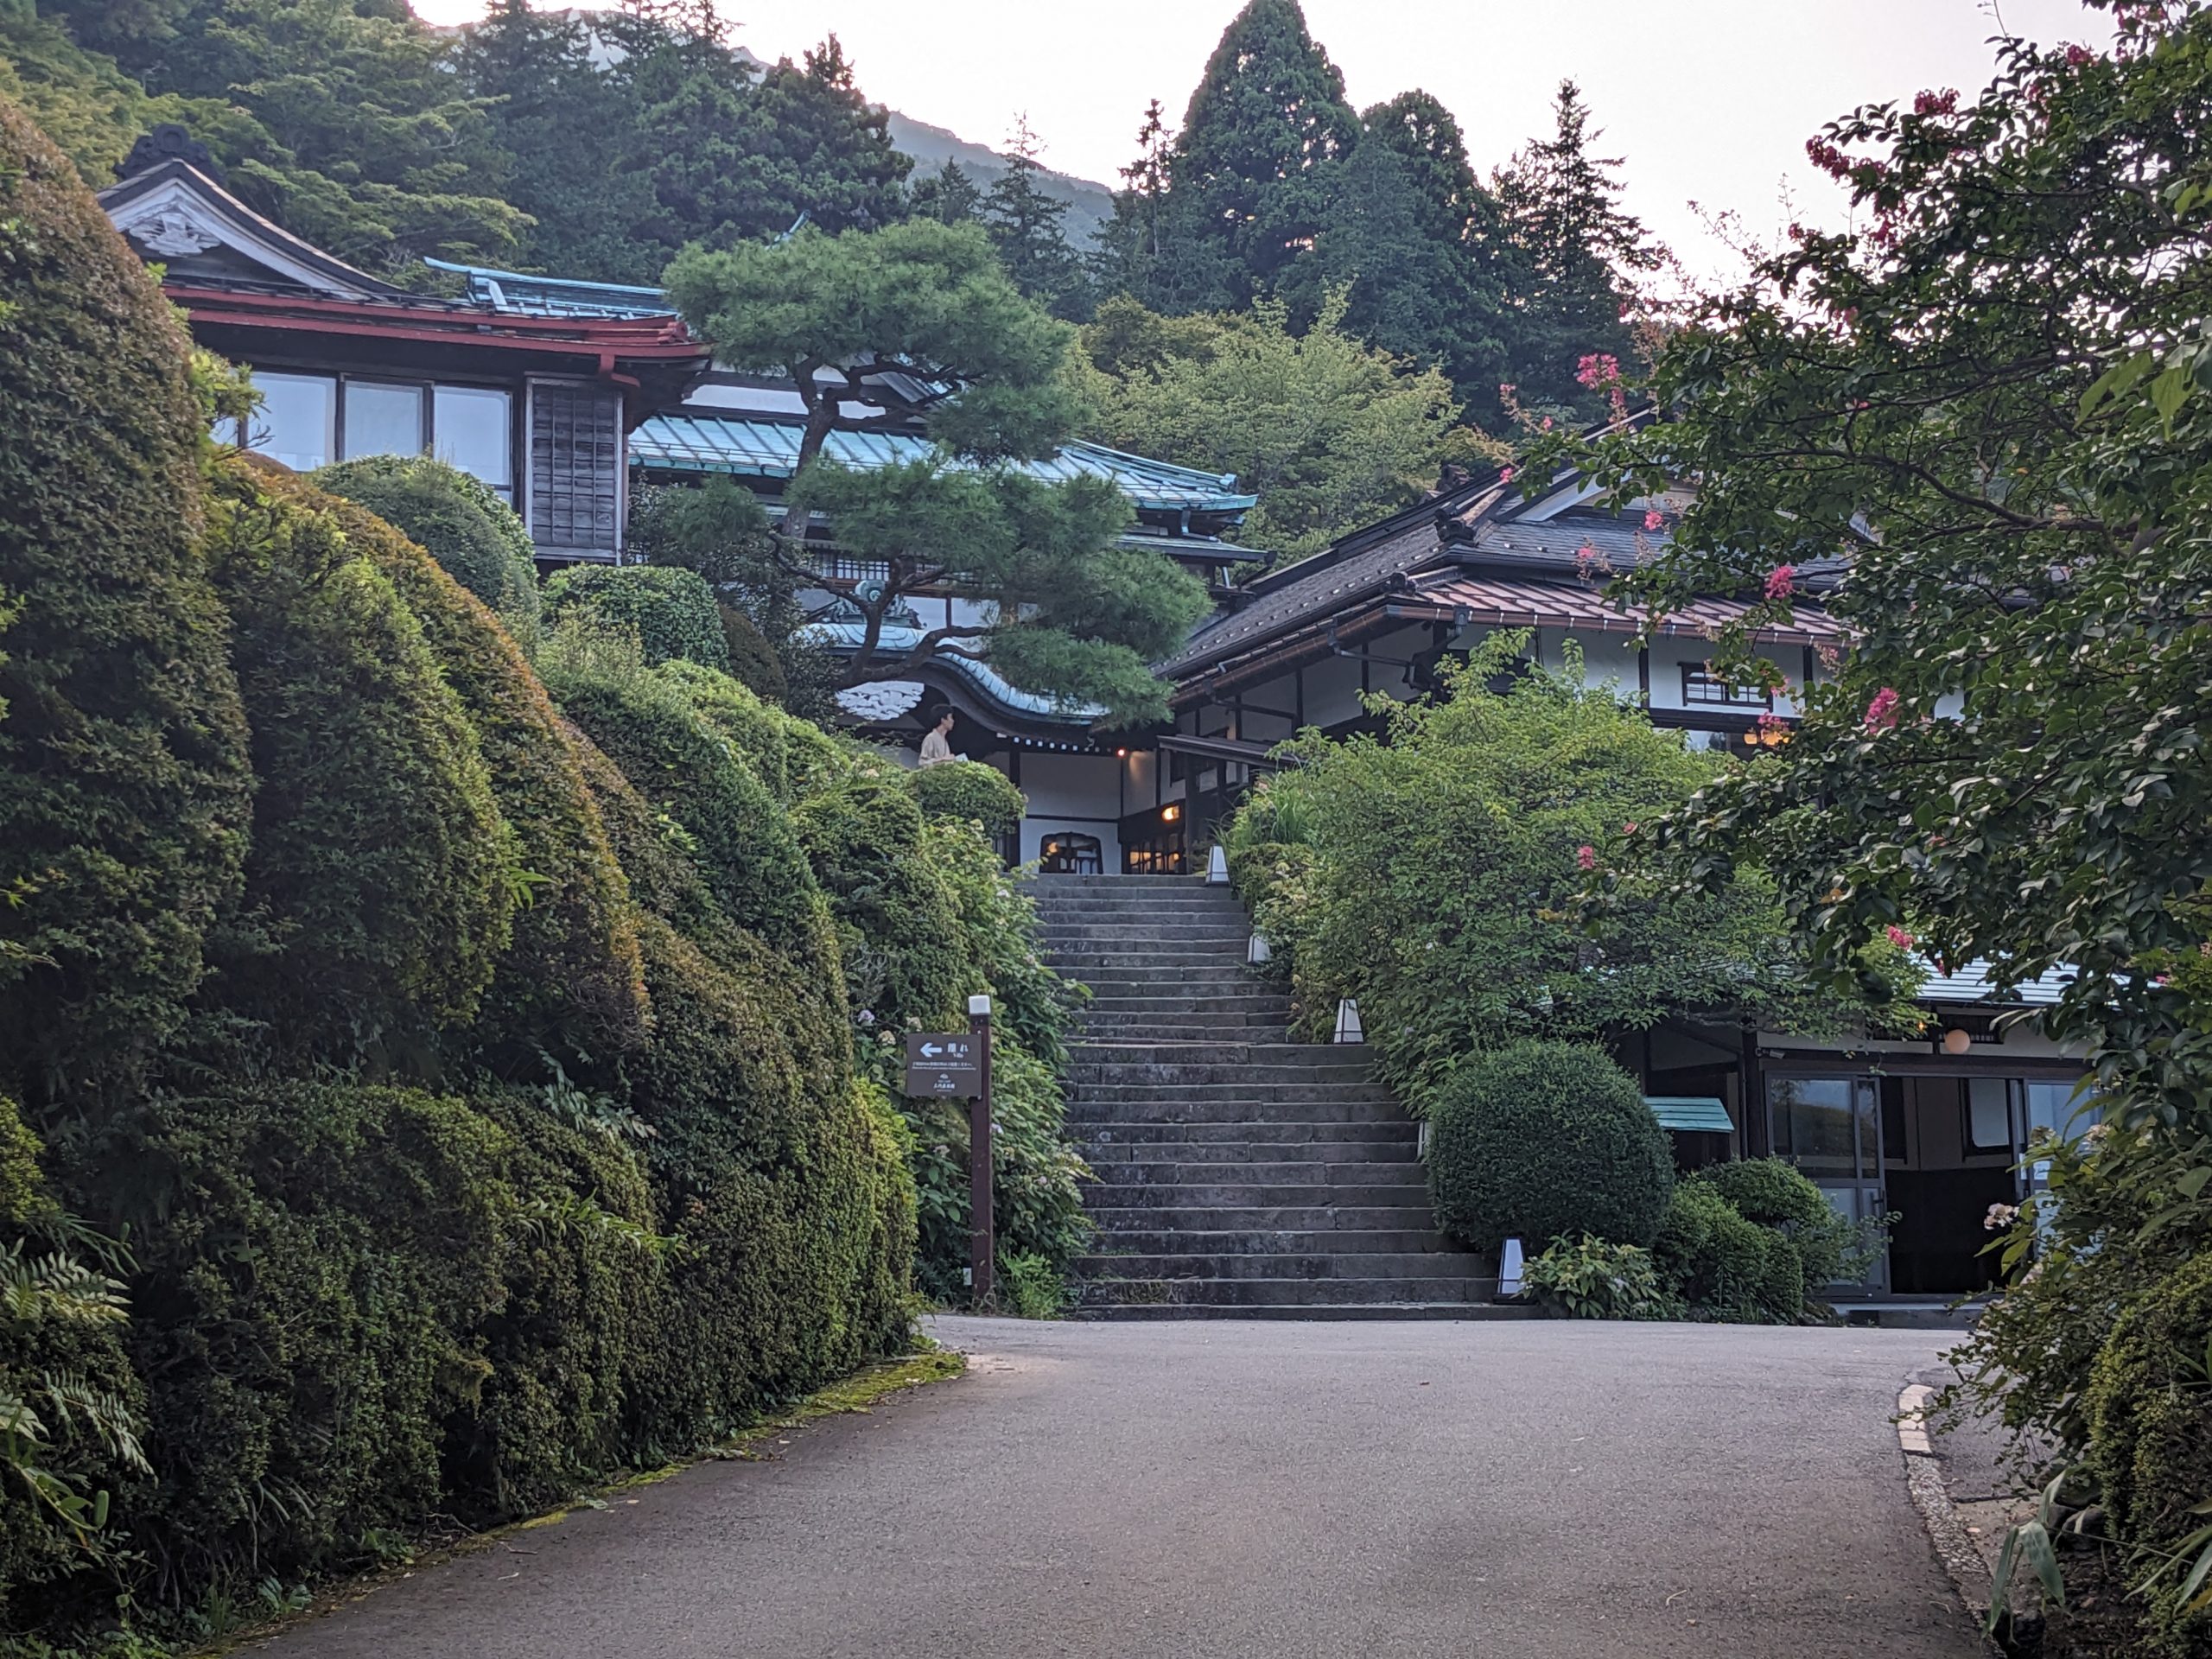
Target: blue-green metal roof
(556, 296)
(1702, 1114)
(695, 441)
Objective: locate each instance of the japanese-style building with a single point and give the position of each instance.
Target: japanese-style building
(566, 396)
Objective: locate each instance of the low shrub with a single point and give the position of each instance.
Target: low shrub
(752, 660)
(1777, 1194)
(673, 611)
(459, 520)
(1592, 1279)
(1543, 1140)
(755, 730)
(1713, 1259)
(966, 790)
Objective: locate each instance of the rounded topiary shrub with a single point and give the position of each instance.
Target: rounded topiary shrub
(1544, 1141)
(752, 659)
(968, 790)
(459, 520)
(672, 611)
(123, 787)
(1775, 1194)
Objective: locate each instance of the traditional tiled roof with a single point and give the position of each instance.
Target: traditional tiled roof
(1975, 984)
(696, 441)
(556, 296)
(1506, 601)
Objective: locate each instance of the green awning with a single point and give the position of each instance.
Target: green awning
(1701, 1113)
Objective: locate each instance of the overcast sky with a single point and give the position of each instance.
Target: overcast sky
(1708, 101)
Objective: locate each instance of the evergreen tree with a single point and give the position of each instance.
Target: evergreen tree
(1076, 614)
(1402, 239)
(1128, 245)
(948, 195)
(1028, 230)
(1250, 173)
(1573, 255)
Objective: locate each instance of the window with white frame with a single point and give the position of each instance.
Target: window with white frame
(1701, 690)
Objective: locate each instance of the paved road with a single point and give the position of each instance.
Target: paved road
(1261, 1491)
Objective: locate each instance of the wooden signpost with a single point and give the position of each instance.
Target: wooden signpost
(953, 1065)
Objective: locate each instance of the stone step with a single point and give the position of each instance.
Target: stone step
(1211, 1097)
(1220, 1051)
(1230, 1244)
(1169, 1026)
(1132, 962)
(1222, 976)
(1311, 1313)
(1248, 1153)
(1076, 929)
(1390, 1131)
(1228, 1006)
(1391, 1195)
(1284, 1293)
(1113, 1225)
(1305, 1266)
(1287, 1172)
(1092, 1079)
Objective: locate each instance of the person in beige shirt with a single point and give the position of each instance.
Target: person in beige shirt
(937, 749)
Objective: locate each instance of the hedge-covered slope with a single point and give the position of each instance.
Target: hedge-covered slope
(122, 769)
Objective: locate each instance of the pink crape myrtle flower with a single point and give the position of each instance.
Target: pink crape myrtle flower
(2078, 55)
(1585, 857)
(1943, 103)
(1505, 475)
(1882, 710)
(1654, 519)
(1598, 369)
(1782, 581)
(1898, 936)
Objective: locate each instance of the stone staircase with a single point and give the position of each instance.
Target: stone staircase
(1240, 1175)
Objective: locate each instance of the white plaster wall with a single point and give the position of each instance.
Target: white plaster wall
(1332, 691)
(1072, 791)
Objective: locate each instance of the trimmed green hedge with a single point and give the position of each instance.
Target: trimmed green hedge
(459, 520)
(123, 783)
(673, 611)
(381, 882)
(1543, 1140)
(966, 790)
(1777, 1195)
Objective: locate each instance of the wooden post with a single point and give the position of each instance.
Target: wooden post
(981, 1243)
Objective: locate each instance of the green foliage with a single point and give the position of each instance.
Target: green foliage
(381, 887)
(1439, 865)
(2149, 1406)
(1078, 616)
(1331, 434)
(1546, 1139)
(1248, 173)
(755, 730)
(1028, 229)
(752, 661)
(1722, 1266)
(1032, 1287)
(970, 792)
(478, 538)
(70, 1409)
(672, 610)
(569, 984)
(122, 776)
(1592, 1279)
(1777, 1195)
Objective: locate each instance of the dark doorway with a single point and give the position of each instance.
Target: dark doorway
(1952, 1146)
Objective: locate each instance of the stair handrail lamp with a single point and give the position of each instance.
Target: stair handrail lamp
(982, 1245)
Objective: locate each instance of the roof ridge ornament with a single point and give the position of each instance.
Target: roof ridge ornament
(168, 141)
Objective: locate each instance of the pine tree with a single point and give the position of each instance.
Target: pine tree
(1027, 231)
(1573, 256)
(1250, 172)
(1129, 245)
(948, 195)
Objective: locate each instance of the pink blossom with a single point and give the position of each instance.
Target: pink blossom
(1654, 519)
(1598, 369)
(1943, 103)
(1882, 710)
(1548, 423)
(1898, 936)
(1586, 558)
(1505, 475)
(1781, 582)
(1585, 857)
(2078, 55)
(1829, 159)
(1628, 828)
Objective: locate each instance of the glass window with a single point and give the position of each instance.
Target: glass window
(1989, 1114)
(472, 428)
(1816, 1126)
(297, 421)
(383, 419)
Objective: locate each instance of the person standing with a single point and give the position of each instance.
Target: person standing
(937, 745)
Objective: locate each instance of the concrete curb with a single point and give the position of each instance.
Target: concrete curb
(1954, 1549)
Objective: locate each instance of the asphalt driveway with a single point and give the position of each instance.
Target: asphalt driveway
(1201, 1490)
